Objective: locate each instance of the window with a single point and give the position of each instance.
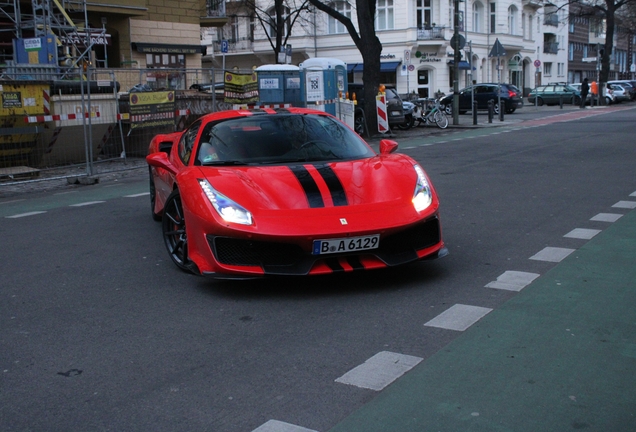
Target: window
(571, 52)
(493, 17)
(560, 69)
(272, 22)
(571, 21)
(336, 26)
(234, 28)
(384, 15)
(512, 20)
(187, 142)
(478, 10)
(165, 60)
(530, 36)
(584, 50)
(547, 68)
(424, 14)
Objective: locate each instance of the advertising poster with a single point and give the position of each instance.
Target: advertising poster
(241, 88)
(149, 109)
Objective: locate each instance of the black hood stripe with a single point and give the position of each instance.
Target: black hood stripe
(333, 183)
(309, 186)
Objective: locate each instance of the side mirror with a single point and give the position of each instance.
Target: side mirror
(161, 160)
(388, 146)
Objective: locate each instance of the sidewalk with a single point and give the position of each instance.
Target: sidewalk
(560, 355)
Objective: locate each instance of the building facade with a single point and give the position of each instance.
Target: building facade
(417, 55)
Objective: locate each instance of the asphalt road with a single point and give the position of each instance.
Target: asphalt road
(100, 331)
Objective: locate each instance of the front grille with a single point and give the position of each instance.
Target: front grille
(232, 251)
(276, 257)
(420, 236)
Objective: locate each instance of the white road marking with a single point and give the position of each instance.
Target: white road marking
(582, 233)
(606, 217)
(25, 214)
(86, 203)
(625, 204)
(552, 254)
(633, 194)
(459, 317)
(513, 280)
(380, 370)
(137, 195)
(12, 201)
(279, 426)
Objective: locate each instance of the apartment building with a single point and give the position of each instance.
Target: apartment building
(417, 55)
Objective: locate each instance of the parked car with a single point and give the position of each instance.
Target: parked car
(207, 87)
(246, 194)
(510, 95)
(394, 107)
(629, 86)
(554, 94)
(618, 93)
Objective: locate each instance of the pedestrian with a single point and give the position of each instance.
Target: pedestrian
(585, 89)
(594, 90)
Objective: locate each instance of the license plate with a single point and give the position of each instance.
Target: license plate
(349, 244)
(396, 113)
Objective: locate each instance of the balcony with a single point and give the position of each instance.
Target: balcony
(430, 33)
(551, 20)
(551, 47)
(215, 14)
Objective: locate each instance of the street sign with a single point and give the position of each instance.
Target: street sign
(497, 49)
(461, 42)
(537, 63)
(225, 46)
(412, 68)
(589, 59)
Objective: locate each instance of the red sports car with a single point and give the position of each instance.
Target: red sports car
(249, 193)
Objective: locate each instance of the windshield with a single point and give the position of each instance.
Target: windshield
(279, 138)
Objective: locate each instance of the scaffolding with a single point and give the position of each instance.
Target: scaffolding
(64, 20)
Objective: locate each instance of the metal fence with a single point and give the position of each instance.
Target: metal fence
(52, 128)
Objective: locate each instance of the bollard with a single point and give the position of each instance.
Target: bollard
(561, 101)
(502, 110)
(475, 112)
(491, 109)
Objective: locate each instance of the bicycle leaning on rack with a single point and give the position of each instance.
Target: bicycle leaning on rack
(428, 111)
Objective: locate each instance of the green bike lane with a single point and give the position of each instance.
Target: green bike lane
(560, 355)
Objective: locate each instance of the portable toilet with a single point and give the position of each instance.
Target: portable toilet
(325, 82)
(280, 83)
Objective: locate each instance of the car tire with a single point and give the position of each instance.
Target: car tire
(539, 101)
(608, 101)
(358, 125)
(174, 232)
(448, 109)
(409, 121)
(153, 196)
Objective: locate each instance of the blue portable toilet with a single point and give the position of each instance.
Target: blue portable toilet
(325, 82)
(280, 83)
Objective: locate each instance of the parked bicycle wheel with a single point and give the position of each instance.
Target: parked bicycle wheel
(441, 120)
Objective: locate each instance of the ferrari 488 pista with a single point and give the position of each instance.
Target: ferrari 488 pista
(250, 193)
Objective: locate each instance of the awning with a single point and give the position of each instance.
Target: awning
(463, 65)
(168, 48)
(384, 67)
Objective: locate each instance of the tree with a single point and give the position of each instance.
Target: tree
(606, 9)
(369, 46)
(278, 25)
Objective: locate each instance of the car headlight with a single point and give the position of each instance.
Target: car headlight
(225, 207)
(423, 196)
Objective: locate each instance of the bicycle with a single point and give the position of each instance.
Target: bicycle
(430, 112)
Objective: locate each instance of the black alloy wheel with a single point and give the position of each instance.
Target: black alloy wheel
(174, 232)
